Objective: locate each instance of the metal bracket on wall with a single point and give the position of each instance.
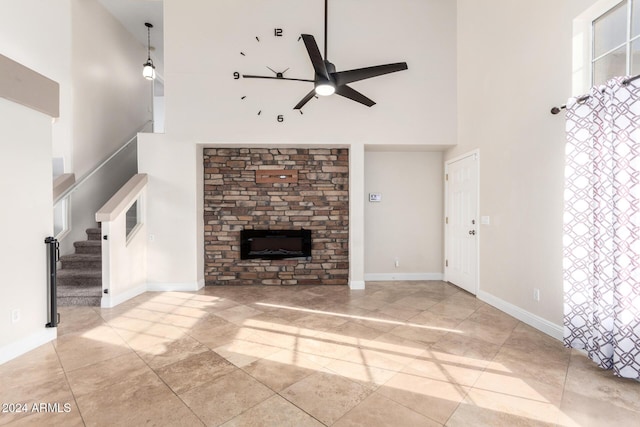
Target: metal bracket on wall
(272, 176)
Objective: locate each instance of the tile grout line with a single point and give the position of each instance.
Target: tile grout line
(75, 399)
(153, 370)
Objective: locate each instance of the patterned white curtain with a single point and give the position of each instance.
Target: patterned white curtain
(602, 227)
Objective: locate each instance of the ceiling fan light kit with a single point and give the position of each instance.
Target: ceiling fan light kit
(327, 80)
(325, 88)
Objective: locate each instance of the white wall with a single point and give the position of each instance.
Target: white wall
(25, 188)
(174, 211)
(158, 114)
(407, 224)
(203, 40)
(111, 100)
(514, 64)
(124, 258)
(46, 51)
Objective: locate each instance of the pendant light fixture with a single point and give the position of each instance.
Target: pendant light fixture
(149, 70)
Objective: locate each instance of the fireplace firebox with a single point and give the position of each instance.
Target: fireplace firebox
(275, 244)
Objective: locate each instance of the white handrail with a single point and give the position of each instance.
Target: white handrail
(62, 183)
(117, 204)
(88, 175)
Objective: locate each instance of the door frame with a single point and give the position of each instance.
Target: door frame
(475, 153)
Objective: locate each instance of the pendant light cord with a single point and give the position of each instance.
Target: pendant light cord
(149, 27)
(148, 43)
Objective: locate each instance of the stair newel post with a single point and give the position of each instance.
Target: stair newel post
(52, 260)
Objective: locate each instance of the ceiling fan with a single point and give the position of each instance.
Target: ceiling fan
(328, 81)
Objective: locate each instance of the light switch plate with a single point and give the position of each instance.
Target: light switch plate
(375, 197)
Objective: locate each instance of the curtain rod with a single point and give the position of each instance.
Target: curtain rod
(556, 110)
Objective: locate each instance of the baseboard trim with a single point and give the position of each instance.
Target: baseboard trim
(543, 325)
(356, 284)
(25, 345)
(174, 287)
(385, 277)
(110, 301)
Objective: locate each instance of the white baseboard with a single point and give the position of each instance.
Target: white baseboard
(356, 284)
(543, 325)
(385, 277)
(24, 345)
(174, 287)
(110, 301)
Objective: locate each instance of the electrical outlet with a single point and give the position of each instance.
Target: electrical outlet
(536, 294)
(15, 316)
(397, 263)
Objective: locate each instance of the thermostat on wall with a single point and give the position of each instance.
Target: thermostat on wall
(375, 197)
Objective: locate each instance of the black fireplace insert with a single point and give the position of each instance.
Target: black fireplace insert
(275, 244)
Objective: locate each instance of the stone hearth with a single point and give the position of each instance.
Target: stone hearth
(318, 201)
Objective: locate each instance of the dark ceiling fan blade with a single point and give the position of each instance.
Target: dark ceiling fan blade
(316, 58)
(354, 95)
(304, 100)
(349, 76)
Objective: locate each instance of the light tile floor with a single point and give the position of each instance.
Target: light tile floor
(396, 354)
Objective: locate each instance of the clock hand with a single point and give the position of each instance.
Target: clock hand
(249, 76)
(278, 74)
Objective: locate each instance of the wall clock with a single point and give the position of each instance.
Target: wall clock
(326, 79)
(272, 56)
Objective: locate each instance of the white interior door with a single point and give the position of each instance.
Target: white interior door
(461, 224)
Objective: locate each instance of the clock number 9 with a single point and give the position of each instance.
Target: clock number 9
(236, 75)
(280, 118)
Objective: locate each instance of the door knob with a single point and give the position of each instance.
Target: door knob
(472, 232)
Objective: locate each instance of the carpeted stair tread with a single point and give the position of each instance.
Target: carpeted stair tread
(81, 273)
(81, 261)
(80, 291)
(87, 257)
(94, 233)
(78, 278)
(85, 301)
(88, 247)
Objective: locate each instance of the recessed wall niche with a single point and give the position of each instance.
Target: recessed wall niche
(318, 201)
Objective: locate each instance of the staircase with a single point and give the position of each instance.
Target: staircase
(79, 279)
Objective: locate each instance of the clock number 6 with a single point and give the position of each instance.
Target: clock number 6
(280, 118)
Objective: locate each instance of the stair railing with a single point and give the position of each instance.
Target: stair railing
(73, 187)
(76, 202)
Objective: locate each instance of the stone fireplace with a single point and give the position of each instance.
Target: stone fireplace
(276, 189)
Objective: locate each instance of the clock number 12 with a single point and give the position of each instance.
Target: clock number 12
(277, 32)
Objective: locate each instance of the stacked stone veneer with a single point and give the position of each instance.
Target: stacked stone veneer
(319, 202)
